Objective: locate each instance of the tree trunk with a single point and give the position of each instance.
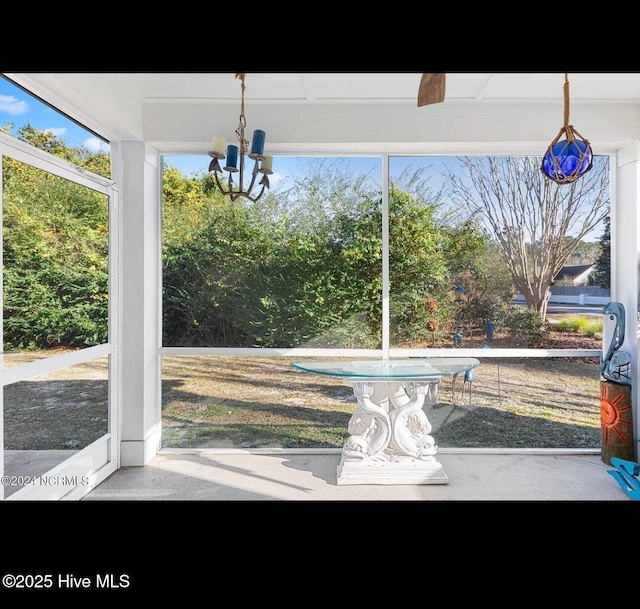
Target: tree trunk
(545, 303)
(536, 302)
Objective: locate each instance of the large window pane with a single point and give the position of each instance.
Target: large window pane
(485, 252)
(52, 416)
(55, 302)
(55, 255)
(301, 267)
(451, 284)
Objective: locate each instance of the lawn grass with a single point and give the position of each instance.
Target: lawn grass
(243, 402)
(263, 402)
(587, 325)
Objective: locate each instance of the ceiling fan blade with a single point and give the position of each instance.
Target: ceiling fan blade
(432, 88)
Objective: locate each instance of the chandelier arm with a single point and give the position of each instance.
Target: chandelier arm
(255, 199)
(254, 173)
(218, 182)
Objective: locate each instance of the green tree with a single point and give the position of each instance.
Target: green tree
(55, 254)
(425, 254)
(586, 252)
(55, 249)
(601, 274)
(96, 162)
(303, 266)
(277, 273)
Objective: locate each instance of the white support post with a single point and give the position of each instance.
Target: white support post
(625, 260)
(138, 171)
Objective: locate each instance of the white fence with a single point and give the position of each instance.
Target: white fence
(577, 295)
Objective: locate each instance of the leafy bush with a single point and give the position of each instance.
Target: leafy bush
(299, 268)
(522, 324)
(55, 254)
(299, 271)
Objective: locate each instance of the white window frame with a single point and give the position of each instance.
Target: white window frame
(92, 464)
(387, 350)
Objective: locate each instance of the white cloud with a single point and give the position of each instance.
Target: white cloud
(56, 131)
(274, 178)
(96, 145)
(12, 105)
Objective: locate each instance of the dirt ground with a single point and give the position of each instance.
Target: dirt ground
(62, 410)
(226, 402)
(264, 402)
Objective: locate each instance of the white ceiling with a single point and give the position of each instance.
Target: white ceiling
(184, 110)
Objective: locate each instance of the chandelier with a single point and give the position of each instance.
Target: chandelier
(235, 156)
(568, 159)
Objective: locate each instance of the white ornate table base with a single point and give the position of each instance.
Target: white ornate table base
(390, 441)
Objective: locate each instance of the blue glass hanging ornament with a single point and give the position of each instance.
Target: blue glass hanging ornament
(570, 158)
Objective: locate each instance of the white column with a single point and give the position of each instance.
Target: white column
(625, 258)
(137, 170)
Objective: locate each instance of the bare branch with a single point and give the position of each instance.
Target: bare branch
(534, 223)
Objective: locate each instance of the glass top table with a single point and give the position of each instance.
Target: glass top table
(389, 433)
(390, 369)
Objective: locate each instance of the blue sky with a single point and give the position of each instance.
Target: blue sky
(282, 166)
(19, 108)
(287, 167)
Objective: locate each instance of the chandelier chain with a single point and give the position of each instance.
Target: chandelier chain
(244, 143)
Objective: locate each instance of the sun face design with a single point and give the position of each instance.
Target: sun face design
(612, 415)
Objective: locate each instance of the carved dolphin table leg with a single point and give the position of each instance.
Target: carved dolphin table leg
(390, 441)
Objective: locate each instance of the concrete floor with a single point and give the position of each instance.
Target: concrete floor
(232, 475)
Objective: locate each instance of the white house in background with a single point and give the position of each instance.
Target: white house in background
(571, 287)
(574, 274)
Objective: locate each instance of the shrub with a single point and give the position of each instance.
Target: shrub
(582, 324)
(523, 324)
